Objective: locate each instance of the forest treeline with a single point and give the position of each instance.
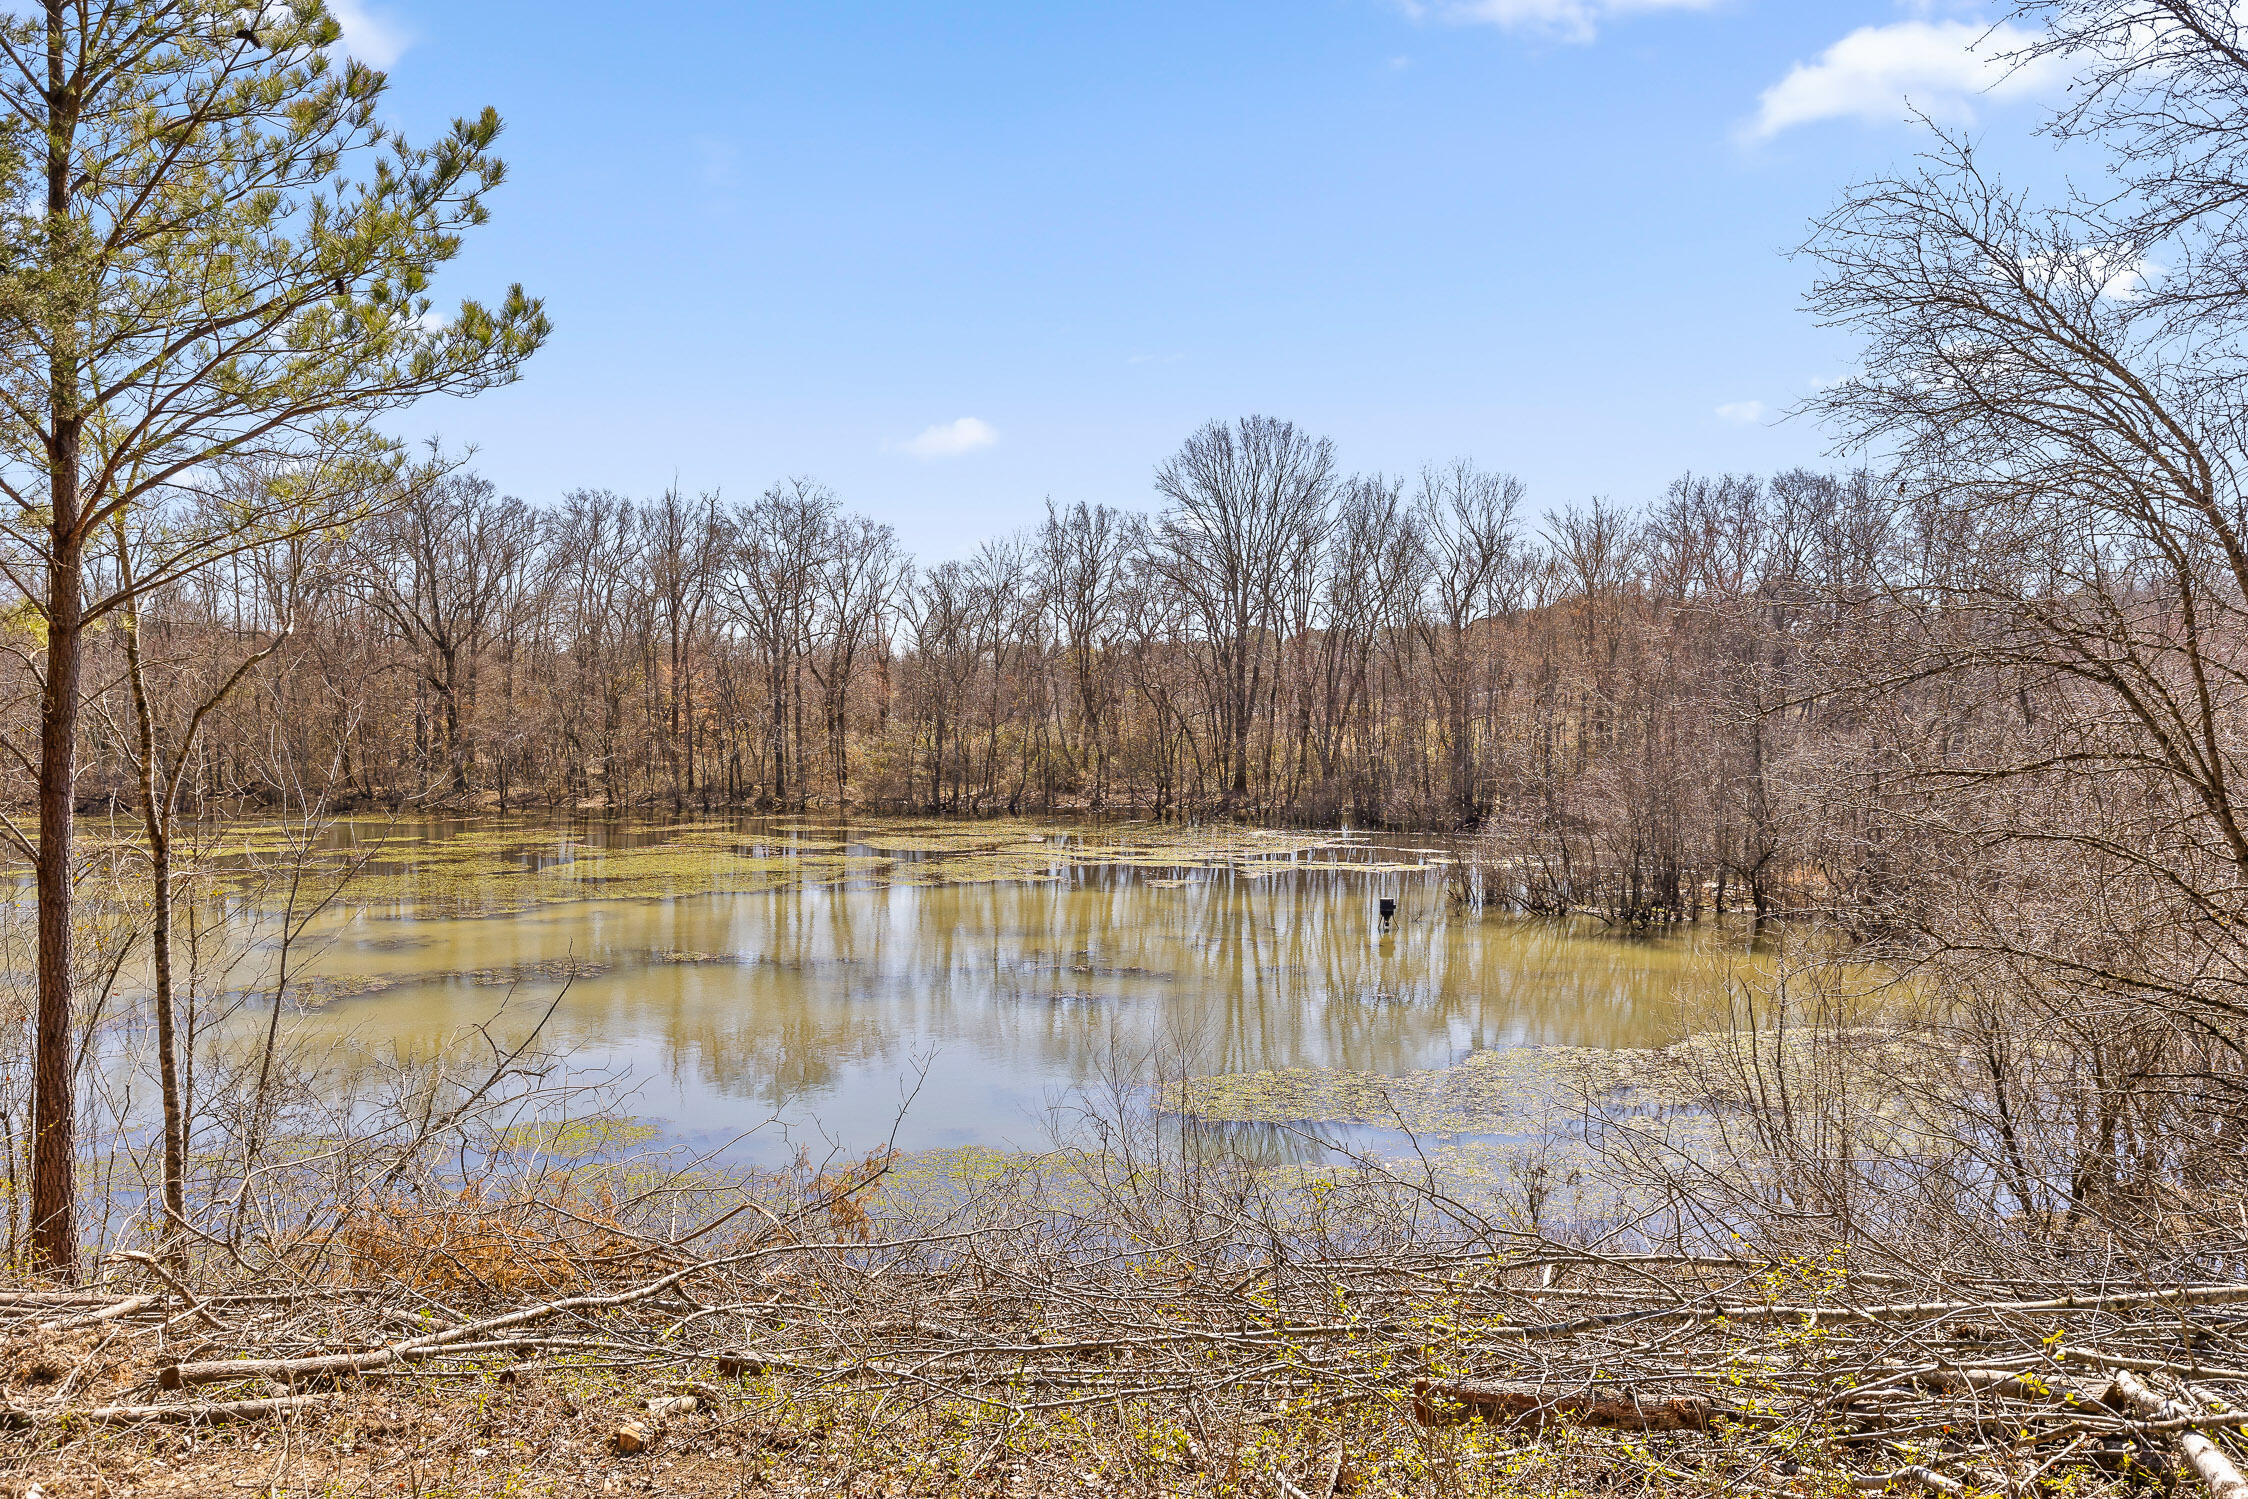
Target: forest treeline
(1278, 640)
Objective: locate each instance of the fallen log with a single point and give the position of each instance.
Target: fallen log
(1901, 1311)
(2101, 1359)
(287, 1370)
(110, 1313)
(439, 1344)
(1911, 1473)
(2207, 1459)
(1440, 1402)
(16, 1417)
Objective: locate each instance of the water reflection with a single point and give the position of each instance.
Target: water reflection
(827, 1001)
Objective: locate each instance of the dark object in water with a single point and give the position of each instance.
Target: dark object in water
(1389, 910)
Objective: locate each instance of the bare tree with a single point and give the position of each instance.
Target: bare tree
(2161, 91)
(163, 752)
(436, 567)
(682, 542)
(1083, 552)
(593, 550)
(1249, 509)
(1467, 523)
(857, 582)
(2066, 427)
(771, 586)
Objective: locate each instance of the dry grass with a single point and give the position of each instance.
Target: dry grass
(546, 1241)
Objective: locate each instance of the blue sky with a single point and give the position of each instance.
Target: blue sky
(955, 257)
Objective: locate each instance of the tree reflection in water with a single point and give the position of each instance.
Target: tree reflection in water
(825, 997)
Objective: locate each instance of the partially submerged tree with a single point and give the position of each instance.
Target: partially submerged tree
(771, 588)
(1083, 557)
(858, 581)
(1468, 525)
(213, 249)
(682, 540)
(1250, 508)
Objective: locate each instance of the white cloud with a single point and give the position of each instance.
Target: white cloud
(1881, 74)
(2116, 275)
(373, 38)
(1741, 413)
(2132, 281)
(1572, 20)
(952, 439)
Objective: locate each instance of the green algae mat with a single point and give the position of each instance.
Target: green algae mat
(500, 866)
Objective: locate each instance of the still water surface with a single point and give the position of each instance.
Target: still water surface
(819, 973)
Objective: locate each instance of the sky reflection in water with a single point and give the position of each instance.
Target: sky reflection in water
(823, 1003)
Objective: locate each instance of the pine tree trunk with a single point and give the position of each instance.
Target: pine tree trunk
(54, 1218)
(54, 1196)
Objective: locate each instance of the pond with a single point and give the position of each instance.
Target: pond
(955, 981)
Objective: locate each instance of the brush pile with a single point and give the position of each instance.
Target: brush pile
(1308, 1316)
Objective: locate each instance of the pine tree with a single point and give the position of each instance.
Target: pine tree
(211, 250)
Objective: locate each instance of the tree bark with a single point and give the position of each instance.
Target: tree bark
(2210, 1464)
(54, 1219)
(156, 816)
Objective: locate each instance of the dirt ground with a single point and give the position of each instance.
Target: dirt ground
(536, 1435)
(520, 1438)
